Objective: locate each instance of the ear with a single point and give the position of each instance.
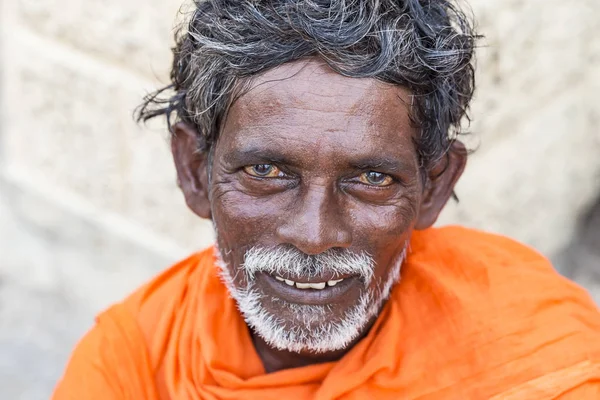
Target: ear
(191, 165)
(440, 184)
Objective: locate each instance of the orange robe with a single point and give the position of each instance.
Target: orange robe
(475, 316)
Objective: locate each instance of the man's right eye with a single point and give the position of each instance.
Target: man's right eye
(263, 171)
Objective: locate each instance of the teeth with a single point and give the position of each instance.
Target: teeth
(318, 286)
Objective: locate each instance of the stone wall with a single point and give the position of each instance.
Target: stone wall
(89, 208)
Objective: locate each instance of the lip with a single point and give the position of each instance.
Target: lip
(339, 293)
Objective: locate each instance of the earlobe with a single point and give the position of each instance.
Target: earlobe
(440, 184)
(191, 166)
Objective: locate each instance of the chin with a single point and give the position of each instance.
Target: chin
(304, 328)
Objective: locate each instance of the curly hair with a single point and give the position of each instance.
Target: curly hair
(426, 46)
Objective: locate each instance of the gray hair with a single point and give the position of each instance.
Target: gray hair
(426, 46)
(289, 261)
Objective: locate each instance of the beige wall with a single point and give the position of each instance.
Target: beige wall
(536, 115)
(75, 71)
(88, 203)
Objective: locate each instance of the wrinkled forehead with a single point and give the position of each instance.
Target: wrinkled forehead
(311, 85)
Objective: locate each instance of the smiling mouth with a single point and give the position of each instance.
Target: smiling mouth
(309, 285)
(317, 291)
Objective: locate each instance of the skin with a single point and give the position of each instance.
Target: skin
(340, 171)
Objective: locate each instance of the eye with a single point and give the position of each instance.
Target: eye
(374, 178)
(263, 171)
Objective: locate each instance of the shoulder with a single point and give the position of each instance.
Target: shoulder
(459, 242)
(155, 305)
(494, 274)
(120, 354)
(109, 362)
(490, 265)
(170, 282)
(501, 307)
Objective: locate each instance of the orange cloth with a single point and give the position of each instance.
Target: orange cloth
(475, 316)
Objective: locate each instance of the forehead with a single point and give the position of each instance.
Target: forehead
(308, 80)
(308, 101)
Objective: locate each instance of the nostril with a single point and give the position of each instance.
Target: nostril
(316, 224)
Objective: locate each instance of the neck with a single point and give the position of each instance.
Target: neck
(275, 360)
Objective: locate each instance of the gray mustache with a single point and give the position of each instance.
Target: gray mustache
(287, 260)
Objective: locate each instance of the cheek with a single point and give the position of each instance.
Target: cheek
(388, 256)
(240, 224)
(381, 226)
(385, 232)
(243, 221)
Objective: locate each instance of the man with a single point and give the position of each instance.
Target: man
(321, 139)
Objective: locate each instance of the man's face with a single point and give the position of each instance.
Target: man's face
(315, 179)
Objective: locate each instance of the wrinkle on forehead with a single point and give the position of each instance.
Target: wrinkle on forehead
(313, 84)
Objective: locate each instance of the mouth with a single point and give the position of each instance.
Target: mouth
(311, 291)
(310, 285)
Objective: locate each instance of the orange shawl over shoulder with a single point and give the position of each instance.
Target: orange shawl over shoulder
(475, 316)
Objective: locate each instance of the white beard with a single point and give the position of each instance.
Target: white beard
(313, 329)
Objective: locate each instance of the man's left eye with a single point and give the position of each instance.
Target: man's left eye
(263, 170)
(374, 178)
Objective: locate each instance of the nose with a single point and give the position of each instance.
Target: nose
(316, 223)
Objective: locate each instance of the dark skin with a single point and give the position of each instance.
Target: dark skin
(315, 160)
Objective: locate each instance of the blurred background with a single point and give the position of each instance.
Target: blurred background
(89, 208)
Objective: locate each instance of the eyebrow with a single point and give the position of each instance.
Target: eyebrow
(381, 163)
(254, 155)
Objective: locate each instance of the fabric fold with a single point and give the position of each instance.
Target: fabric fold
(474, 316)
